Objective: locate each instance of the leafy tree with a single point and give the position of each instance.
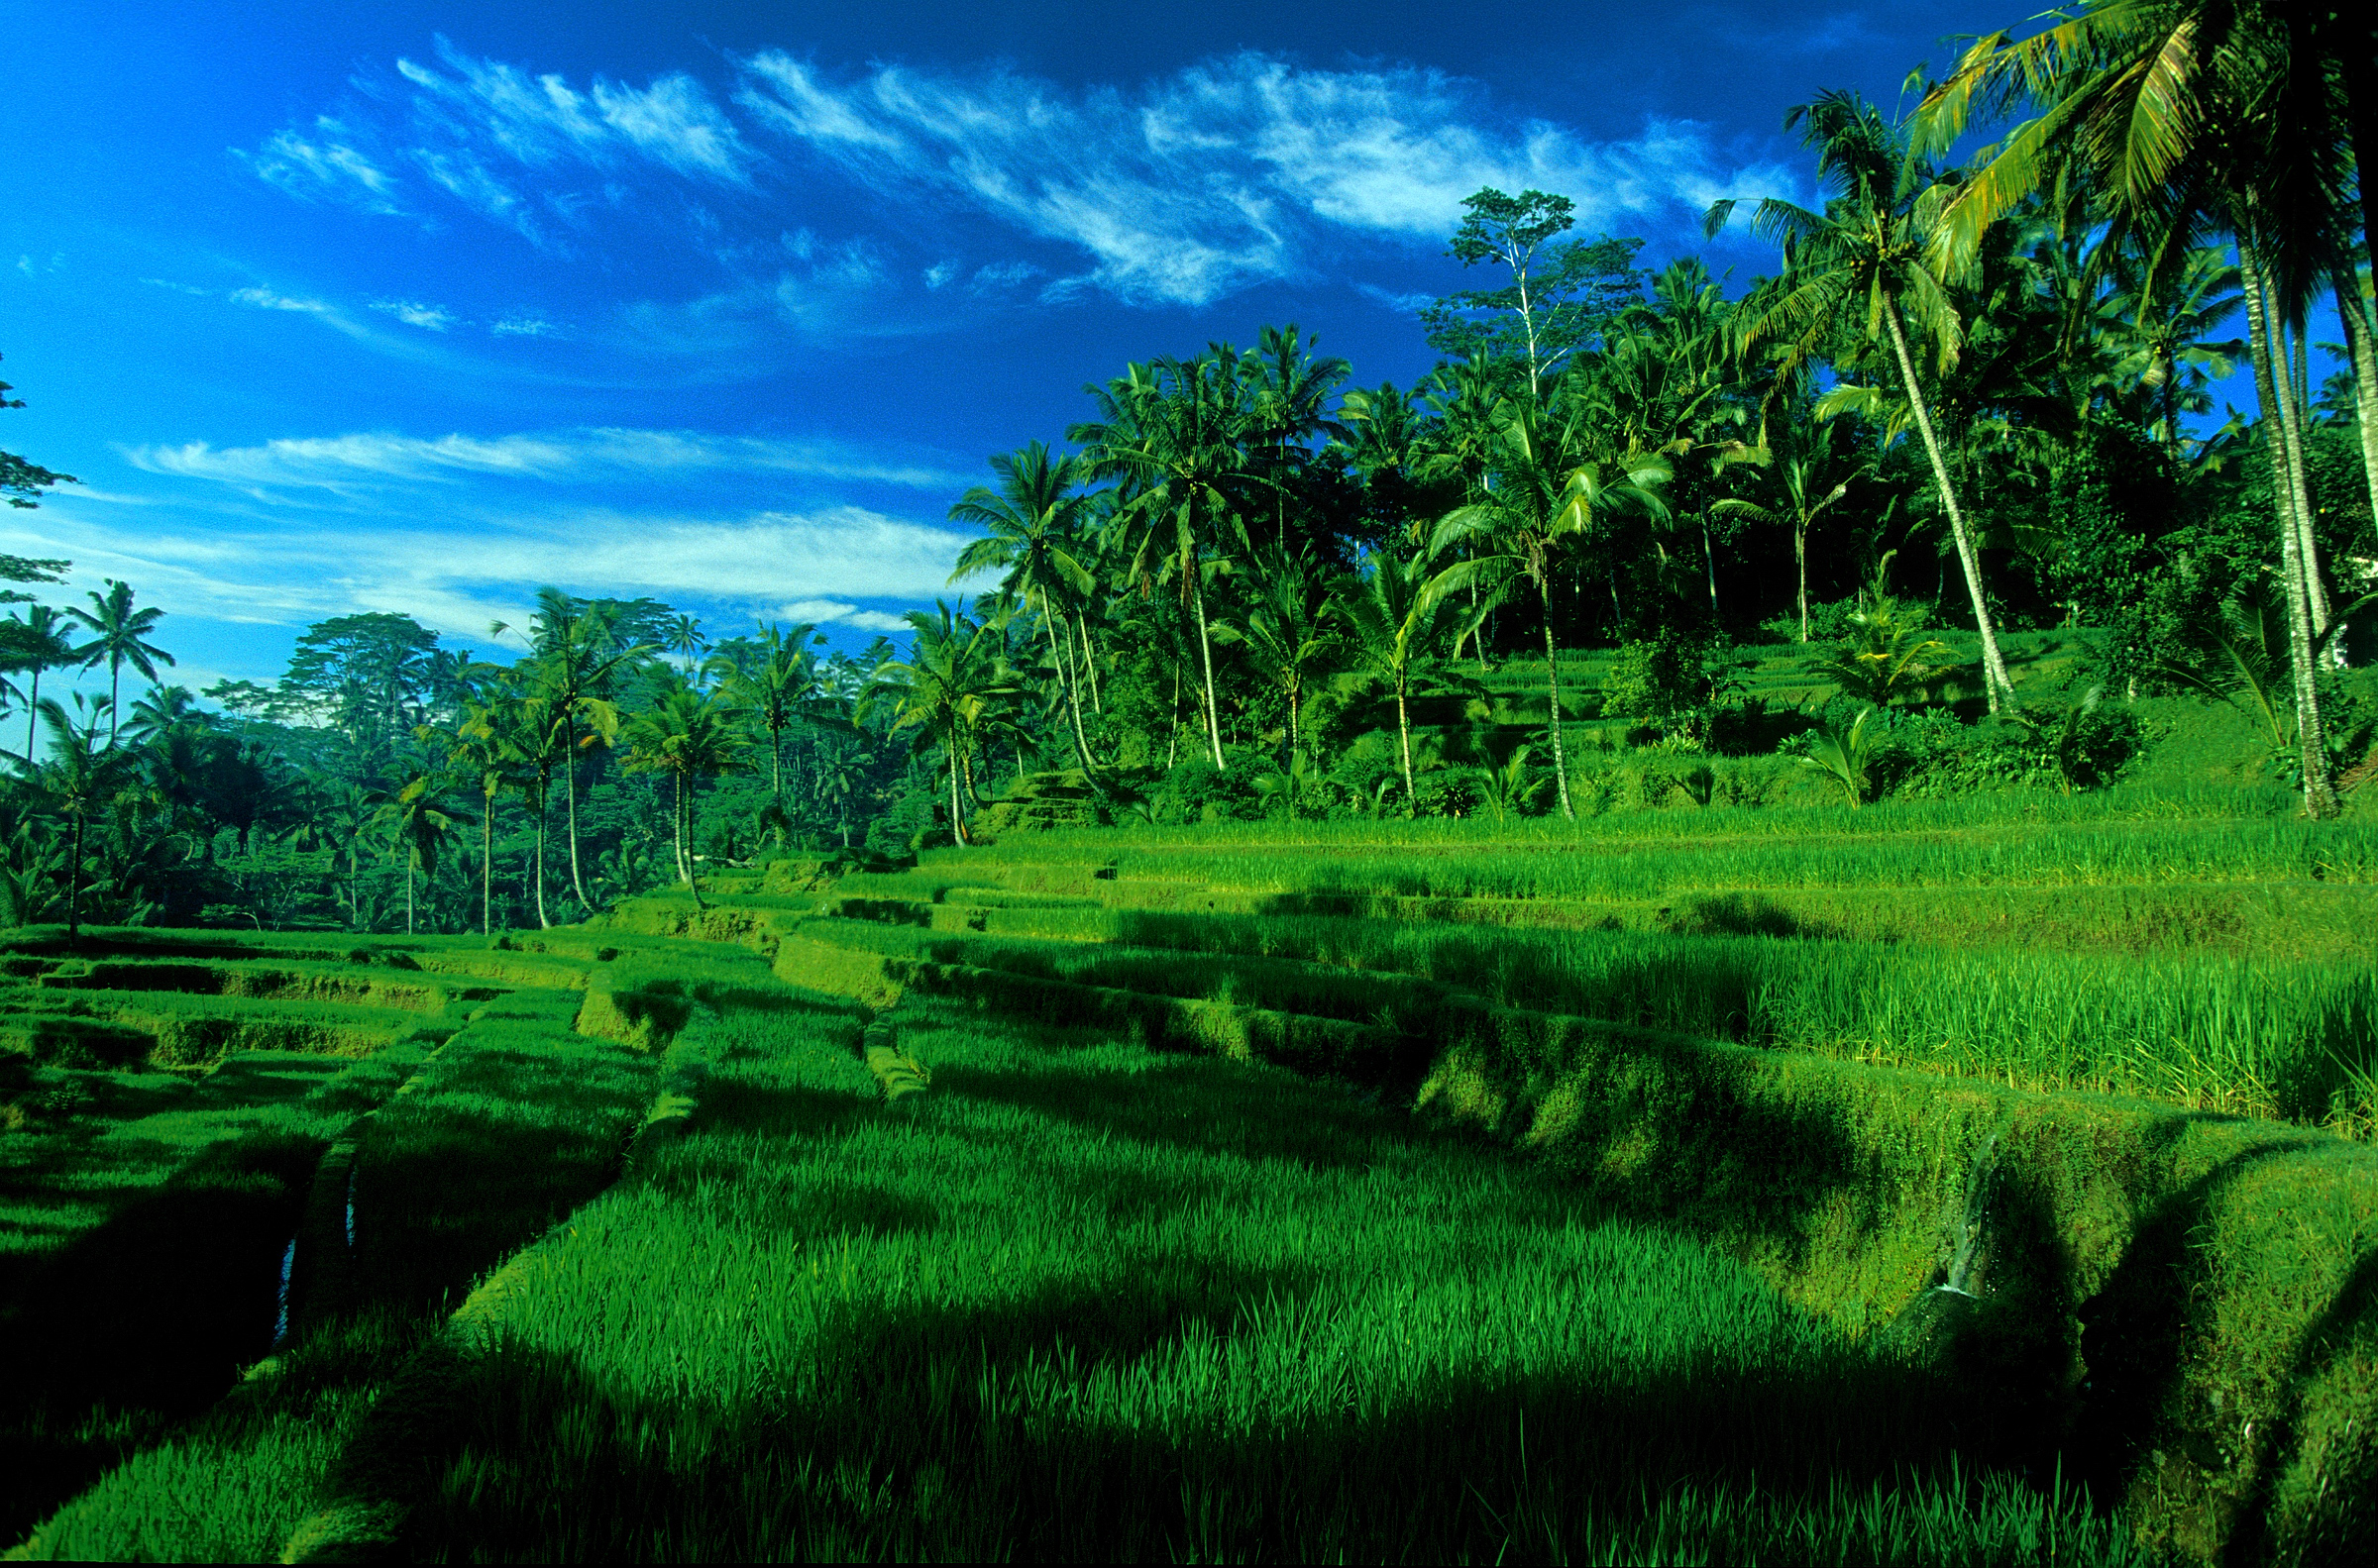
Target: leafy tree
(689, 737)
(1549, 490)
(1865, 257)
(119, 637)
(1560, 294)
(420, 828)
(80, 777)
(20, 485)
(952, 690)
(1284, 629)
(1034, 522)
(1396, 615)
(579, 657)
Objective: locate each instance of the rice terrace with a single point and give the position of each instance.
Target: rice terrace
(1740, 925)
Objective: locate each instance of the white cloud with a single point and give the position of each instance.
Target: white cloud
(1406, 304)
(456, 580)
(432, 318)
(824, 611)
(1175, 191)
(320, 310)
(325, 166)
(526, 327)
(542, 120)
(345, 463)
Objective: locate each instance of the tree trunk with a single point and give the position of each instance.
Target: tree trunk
(486, 868)
(1799, 556)
(570, 781)
(775, 765)
(2290, 416)
(34, 701)
(74, 888)
(2319, 796)
(1403, 735)
(1552, 685)
(1073, 700)
(686, 821)
(1710, 555)
(1089, 662)
(1993, 669)
(1295, 696)
(676, 823)
(2356, 317)
(957, 818)
(543, 924)
(1197, 602)
(408, 896)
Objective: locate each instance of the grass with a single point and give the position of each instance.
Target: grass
(513, 1122)
(1086, 1300)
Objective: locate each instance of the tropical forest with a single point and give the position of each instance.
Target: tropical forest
(1739, 927)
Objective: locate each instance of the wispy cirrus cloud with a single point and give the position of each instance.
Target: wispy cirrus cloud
(1178, 190)
(345, 463)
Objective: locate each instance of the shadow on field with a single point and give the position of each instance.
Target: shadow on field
(950, 1435)
(145, 1319)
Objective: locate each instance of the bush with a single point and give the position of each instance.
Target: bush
(1195, 790)
(1675, 682)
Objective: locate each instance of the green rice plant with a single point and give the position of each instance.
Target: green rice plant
(1089, 1301)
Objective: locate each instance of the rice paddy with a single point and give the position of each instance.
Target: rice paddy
(1928, 1184)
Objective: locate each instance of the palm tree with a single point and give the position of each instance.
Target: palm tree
(1549, 490)
(1865, 255)
(1179, 434)
(119, 638)
(492, 741)
(687, 736)
(1397, 615)
(1284, 627)
(1813, 481)
(1034, 519)
(952, 689)
(78, 777)
(2191, 117)
(775, 691)
(683, 637)
(39, 643)
(420, 828)
(578, 659)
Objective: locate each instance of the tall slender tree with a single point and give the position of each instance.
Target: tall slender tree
(119, 637)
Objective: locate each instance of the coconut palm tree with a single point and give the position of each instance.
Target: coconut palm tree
(420, 828)
(119, 638)
(1812, 481)
(1284, 627)
(1035, 519)
(577, 660)
(952, 690)
(2193, 117)
(775, 690)
(1863, 262)
(39, 643)
(1548, 490)
(79, 776)
(1396, 615)
(687, 736)
(493, 743)
(1180, 436)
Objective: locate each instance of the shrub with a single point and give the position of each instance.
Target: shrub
(1883, 653)
(1675, 682)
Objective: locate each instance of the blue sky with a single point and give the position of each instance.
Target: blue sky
(415, 307)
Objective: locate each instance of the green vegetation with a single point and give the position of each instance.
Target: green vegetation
(1848, 1064)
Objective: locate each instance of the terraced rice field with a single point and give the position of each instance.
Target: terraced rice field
(1936, 1187)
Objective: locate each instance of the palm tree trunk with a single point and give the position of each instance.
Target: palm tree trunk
(2319, 796)
(2291, 418)
(408, 896)
(1994, 668)
(74, 888)
(775, 765)
(487, 867)
(1197, 602)
(957, 818)
(1710, 555)
(2356, 318)
(115, 684)
(1551, 687)
(569, 783)
(543, 924)
(35, 700)
(1089, 662)
(1799, 557)
(1065, 680)
(1403, 735)
(677, 821)
(1295, 703)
